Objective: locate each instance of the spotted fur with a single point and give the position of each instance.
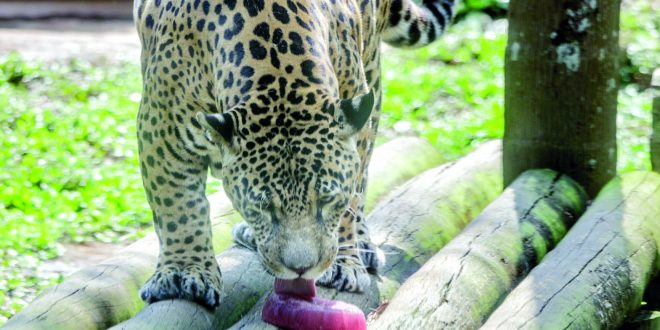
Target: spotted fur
(280, 99)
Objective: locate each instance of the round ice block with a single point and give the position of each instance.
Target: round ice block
(312, 314)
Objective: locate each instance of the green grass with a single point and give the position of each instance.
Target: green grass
(68, 165)
(455, 99)
(68, 160)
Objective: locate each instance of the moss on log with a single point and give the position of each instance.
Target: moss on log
(416, 220)
(100, 296)
(463, 283)
(597, 274)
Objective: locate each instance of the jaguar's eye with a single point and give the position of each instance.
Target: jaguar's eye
(326, 199)
(327, 195)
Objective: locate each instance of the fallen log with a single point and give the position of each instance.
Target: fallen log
(463, 283)
(245, 281)
(103, 295)
(414, 222)
(407, 162)
(99, 296)
(597, 274)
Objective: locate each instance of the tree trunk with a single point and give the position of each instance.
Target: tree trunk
(655, 137)
(463, 283)
(100, 296)
(441, 201)
(561, 89)
(597, 274)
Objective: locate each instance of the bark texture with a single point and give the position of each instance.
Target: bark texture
(103, 295)
(446, 197)
(463, 283)
(597, 274)
(561, 89)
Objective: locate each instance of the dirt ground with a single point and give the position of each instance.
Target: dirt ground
(77, 256)
(54, 40)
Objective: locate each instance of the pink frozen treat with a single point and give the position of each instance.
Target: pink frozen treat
(293, 305)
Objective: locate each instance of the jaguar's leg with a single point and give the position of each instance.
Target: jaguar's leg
(348, 273)
(372, 257)
(242, 235)
(174, 182)
(357, 254)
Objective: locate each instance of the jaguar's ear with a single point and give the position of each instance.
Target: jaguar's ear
(217, 125)
(356, 111)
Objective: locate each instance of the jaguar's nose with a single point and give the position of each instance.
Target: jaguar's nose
(299, 271)
(299, 256)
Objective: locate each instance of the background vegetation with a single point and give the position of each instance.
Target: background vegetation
(68, 160)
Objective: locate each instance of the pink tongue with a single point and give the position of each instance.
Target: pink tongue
(299, 287)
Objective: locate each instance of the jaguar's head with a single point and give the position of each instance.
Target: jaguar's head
(290, 171)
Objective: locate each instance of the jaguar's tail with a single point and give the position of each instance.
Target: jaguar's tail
(413, 25)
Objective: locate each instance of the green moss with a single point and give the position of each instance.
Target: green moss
(222, 228)
(388, 287)
(455, 211)
(238, 312)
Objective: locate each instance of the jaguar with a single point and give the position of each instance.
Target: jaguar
(280, 99)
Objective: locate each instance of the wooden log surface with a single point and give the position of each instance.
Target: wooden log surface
(597, 274)
(103, 295)
(407, 162)
(463, 283)
(414, 222)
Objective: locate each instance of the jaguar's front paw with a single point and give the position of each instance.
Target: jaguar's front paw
(346, 275)
(371, 256)
(242, 235)
(191, 282)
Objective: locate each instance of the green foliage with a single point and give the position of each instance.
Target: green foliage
(634, 128)
(455, 98)
(640, 37)
(68, 164)
(495, 8)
